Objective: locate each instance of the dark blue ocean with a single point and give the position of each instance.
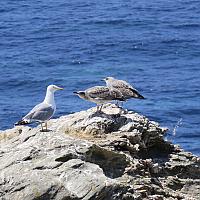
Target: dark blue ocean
(154, 45)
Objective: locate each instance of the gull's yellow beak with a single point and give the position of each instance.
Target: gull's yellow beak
(59, 88)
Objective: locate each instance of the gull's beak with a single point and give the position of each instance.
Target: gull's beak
(59, 88)
(79, 92)
(103, 79)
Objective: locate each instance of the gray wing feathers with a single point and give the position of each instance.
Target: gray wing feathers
(40, 112)
(122, 84)
(126, 89)
(104, 93)
(98, 93)
(116, 94)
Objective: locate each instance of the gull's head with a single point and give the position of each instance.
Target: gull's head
(108, 80)
(81, 94)
(53, 88)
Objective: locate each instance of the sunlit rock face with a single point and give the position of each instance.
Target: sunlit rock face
(115, 154)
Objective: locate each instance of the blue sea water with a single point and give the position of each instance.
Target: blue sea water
(154, 45)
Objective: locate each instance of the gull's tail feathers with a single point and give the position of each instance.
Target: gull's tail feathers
(22, 122)
(136, 94)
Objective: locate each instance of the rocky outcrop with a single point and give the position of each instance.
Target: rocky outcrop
(116, 154)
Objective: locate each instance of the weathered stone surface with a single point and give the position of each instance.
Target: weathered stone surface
(116, 154)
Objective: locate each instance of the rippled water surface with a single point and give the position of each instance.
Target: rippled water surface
(155, 45)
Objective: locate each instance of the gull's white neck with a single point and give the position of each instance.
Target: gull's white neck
(49, 98)
(109, 85)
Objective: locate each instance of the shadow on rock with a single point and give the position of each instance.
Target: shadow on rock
(113, 164)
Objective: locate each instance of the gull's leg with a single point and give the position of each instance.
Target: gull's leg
(46, 126)
(97, 107)
(42, 127)
(101, 107)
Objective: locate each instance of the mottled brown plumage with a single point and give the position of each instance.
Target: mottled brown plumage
(100, 94)
(125, 88)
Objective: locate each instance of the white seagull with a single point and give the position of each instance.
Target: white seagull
(44, 111)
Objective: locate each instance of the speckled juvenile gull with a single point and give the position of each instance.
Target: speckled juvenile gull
(125, 88)
(100, 95)
(44, 111)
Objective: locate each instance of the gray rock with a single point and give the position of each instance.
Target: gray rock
(117, 154)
